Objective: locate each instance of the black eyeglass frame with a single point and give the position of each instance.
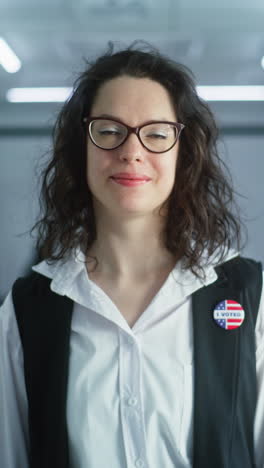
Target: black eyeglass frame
(88, 120)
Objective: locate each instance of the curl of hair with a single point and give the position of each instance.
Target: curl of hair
(200, 216)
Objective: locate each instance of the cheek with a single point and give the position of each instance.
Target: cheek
(167, 168)
(97, 163)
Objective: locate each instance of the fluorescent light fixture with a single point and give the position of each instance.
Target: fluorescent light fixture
(8, 59)
(231, 93)
(208, 93)
(262, 62)
(38, 94)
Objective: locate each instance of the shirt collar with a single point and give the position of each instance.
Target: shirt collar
(66, 273)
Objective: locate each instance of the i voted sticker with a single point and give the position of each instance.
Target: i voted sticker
(229, 314)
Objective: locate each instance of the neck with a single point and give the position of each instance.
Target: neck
(130, 249)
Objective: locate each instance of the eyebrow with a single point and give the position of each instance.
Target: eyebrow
(114, 117)
(108, 116)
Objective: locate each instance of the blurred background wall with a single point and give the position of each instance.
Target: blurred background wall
(222, 43)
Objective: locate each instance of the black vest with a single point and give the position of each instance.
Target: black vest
(224, 371)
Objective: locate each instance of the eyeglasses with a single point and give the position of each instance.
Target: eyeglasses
(157, 137)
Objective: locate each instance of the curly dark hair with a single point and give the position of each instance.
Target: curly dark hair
(200, 207)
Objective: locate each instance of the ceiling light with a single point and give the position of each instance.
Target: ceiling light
(231, 93)
(208, 93)
(8, 59)
(38, 94)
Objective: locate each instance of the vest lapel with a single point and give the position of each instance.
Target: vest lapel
(216, 357)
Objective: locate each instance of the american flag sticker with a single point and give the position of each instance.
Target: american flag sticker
(229, 314)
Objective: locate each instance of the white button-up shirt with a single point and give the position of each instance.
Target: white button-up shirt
(130, 390)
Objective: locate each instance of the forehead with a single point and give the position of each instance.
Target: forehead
(138, 98)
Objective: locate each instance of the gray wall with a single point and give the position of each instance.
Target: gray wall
(19, 161)
(19, 158)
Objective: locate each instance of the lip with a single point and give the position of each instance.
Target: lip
(130, 176)
(129, 182)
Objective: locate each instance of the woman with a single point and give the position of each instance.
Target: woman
(113, 352)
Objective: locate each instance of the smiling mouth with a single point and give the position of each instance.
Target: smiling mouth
(129, 182)
(130, 177)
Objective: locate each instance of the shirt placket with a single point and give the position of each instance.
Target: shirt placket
(131, 404)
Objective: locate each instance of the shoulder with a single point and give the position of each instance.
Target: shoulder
(241, 272)
(9, 331)
(38, 282)
(33, 285)
(35, 303)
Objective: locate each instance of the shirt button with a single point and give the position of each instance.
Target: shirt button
(132, 401)
(140, 463)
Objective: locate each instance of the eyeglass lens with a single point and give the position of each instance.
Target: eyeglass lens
(109, 134)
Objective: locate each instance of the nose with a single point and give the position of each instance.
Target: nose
(131, 149)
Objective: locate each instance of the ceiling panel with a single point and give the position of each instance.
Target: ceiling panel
(222, 42)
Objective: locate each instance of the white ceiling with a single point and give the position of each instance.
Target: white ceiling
(222, 42)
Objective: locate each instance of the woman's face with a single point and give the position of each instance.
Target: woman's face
(134, 101)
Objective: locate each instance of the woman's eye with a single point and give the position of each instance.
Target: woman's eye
(109, 132)
(157, 136)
